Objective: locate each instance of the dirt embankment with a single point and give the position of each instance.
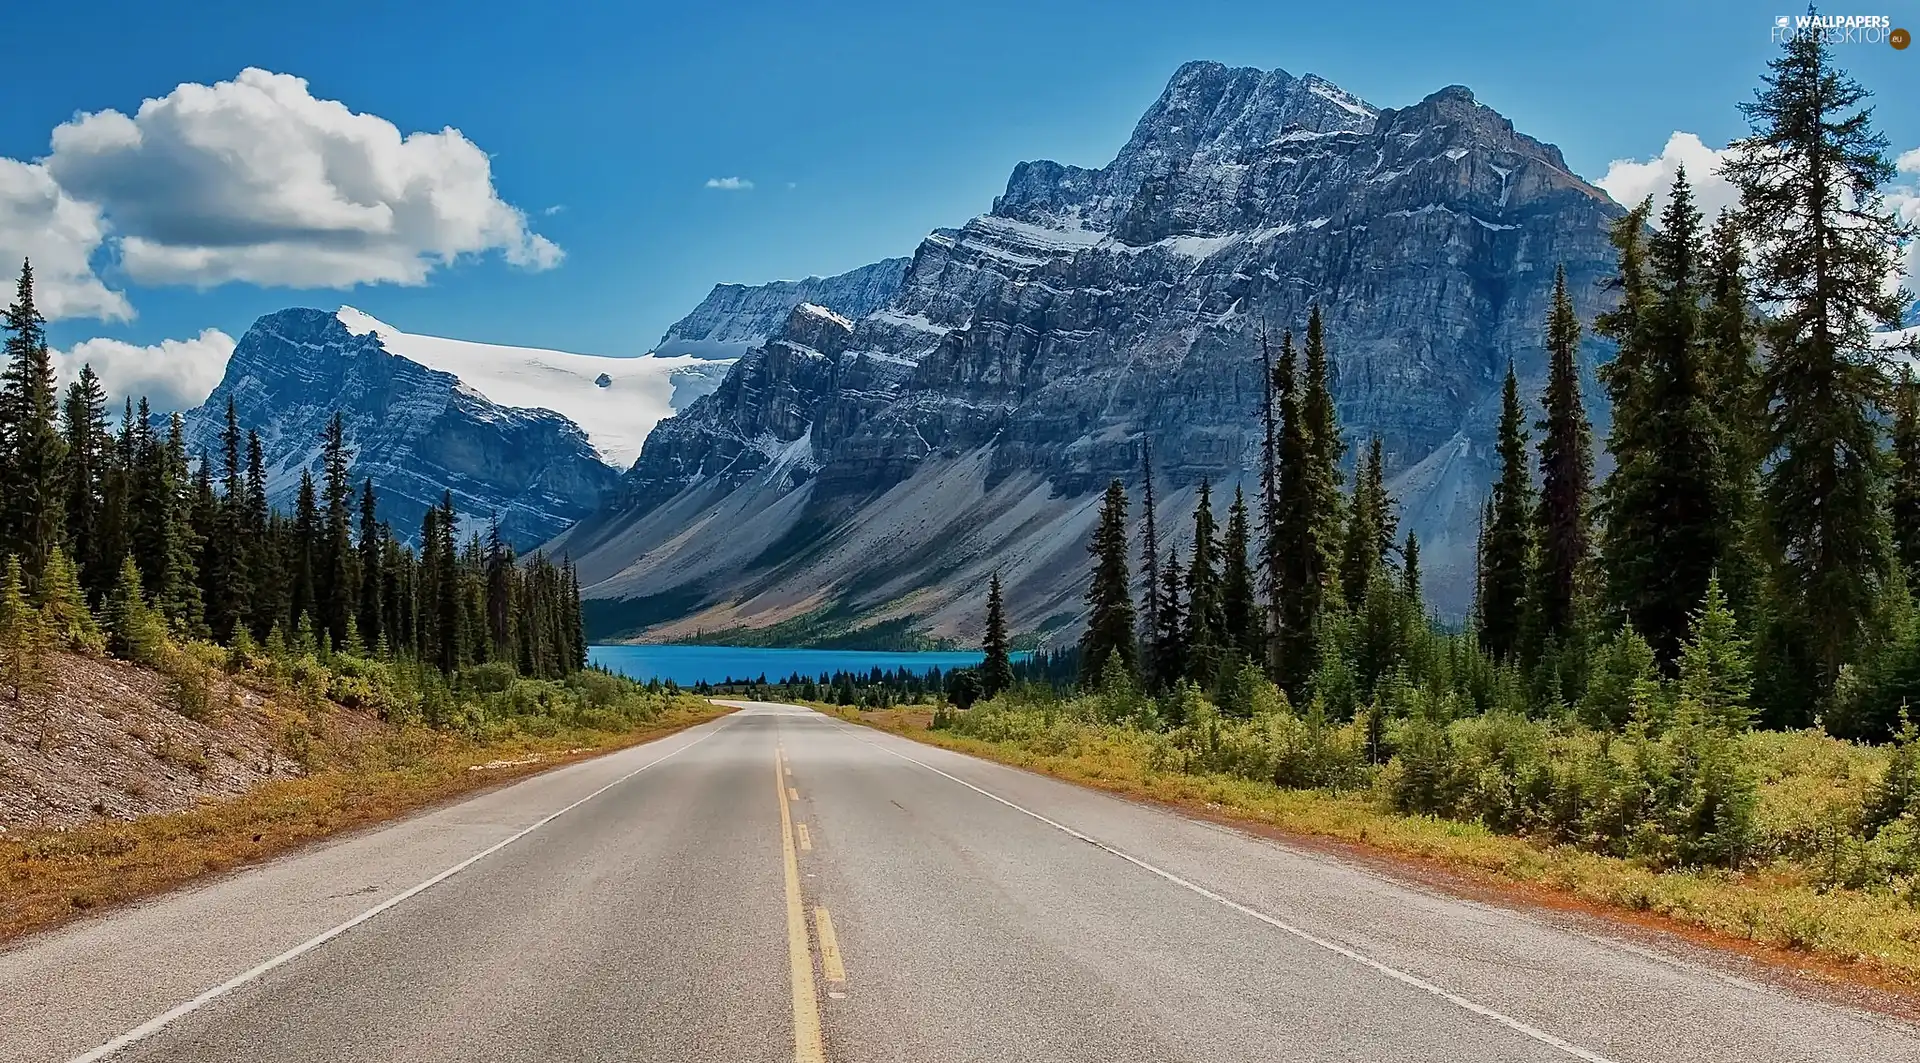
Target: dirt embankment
(104, 739)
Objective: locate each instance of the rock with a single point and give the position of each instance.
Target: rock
(1028, 355)
(735, 317)
(416, 432)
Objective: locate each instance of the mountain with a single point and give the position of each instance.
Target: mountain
(537, 437)
(868, 473)
(736, 317)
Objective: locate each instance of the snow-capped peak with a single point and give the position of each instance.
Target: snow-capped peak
(615, 400)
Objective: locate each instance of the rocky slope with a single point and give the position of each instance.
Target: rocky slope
(736, 317)
(876, 468)
(416, 431)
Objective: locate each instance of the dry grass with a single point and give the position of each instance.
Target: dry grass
(1773, 913)
(49, 876)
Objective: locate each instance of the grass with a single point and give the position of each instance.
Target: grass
(50, 876)
(1775, 911)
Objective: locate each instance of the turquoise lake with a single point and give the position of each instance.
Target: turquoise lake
(688, 665)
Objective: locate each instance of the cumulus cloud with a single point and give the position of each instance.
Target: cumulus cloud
(172, 374)
(1629, 181)
(40, 221)
(257, 180)
(252, 180)
(729, 184)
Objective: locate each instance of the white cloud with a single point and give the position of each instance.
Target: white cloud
(257, 180)
(729, 184)
(1629, 181)
(1909, 162)
(60, 234)
(172, 374)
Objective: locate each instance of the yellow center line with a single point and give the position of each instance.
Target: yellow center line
(830, 961)
(807, 1044)
(806, 840)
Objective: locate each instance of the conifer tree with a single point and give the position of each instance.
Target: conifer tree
(1370, 528)
(99, 572)
(1299, 546)
(63, 607)
(1239, 607)
(178, 592)
(1328, 447)
(371, 610)
(449, 622)
(84, 426)
(1170, 642)
(1410, 570)
(134, 632)
(1809, 176)
(1562, 530)
(1149, 563)
(337, 587)
(1110, 619)
(996, 669)
(32, 498)
(23, 642)
(500, 593)
(304, 550)
(1276, 379)
(1728, 328)
(1904, 496)
(1206, 619)
(1506, 558)
(1715, 670)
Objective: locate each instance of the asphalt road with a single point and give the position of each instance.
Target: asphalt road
(779, 885)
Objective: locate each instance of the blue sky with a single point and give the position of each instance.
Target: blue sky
(860, 126)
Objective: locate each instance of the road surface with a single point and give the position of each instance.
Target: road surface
(781, 886)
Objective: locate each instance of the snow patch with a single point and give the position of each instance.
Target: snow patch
(616, 416)
(816, 310)
(1456, 154)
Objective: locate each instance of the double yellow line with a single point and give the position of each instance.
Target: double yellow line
(808, 1046)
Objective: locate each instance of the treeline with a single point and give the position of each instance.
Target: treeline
(122, 523)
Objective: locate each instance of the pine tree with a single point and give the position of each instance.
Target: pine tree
(1276, 380)
(451, 628)
(1370, 528)
(1170, 641)
(1410, 569)
(1240, 609)
(371, 612)
(84, 425)
(23, 641)
(996, 669)
(1809, 177)
(1904, 496)
(1206, 619)
(1506, 559)
(134, 631)
(337, 586)
(63, 607)
(1301, 546)
(178, 593)
(1149, 563)
(304, 550)
(500, 593)
(32, 495)
(1561, 523)
(99, 572)
(1715, 670)
(1729, 329)
(1329, 449)
(1110, 619)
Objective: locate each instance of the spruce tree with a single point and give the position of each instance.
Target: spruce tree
(178, 594)
(1809, 176)
(451, 626)
(1328, 448)
(1410, 570)
(996, 668)
(1561, 523)
(1149, 563)
(304, 550)
(33, 512)
(1300, 545)
(500, 593)
(134, 632)
(372, 549)
(1729, 329)
(1276, 379)
(337, 586)
(1506, 558)
(1715, 670)
(1369, 528)
(1110, 619)
(1206, 619)
(1239, 607)
(1904, 495)
(84, 425)
(1170, 642)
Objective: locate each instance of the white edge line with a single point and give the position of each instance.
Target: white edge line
(160, 1021)
(1363, 960)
